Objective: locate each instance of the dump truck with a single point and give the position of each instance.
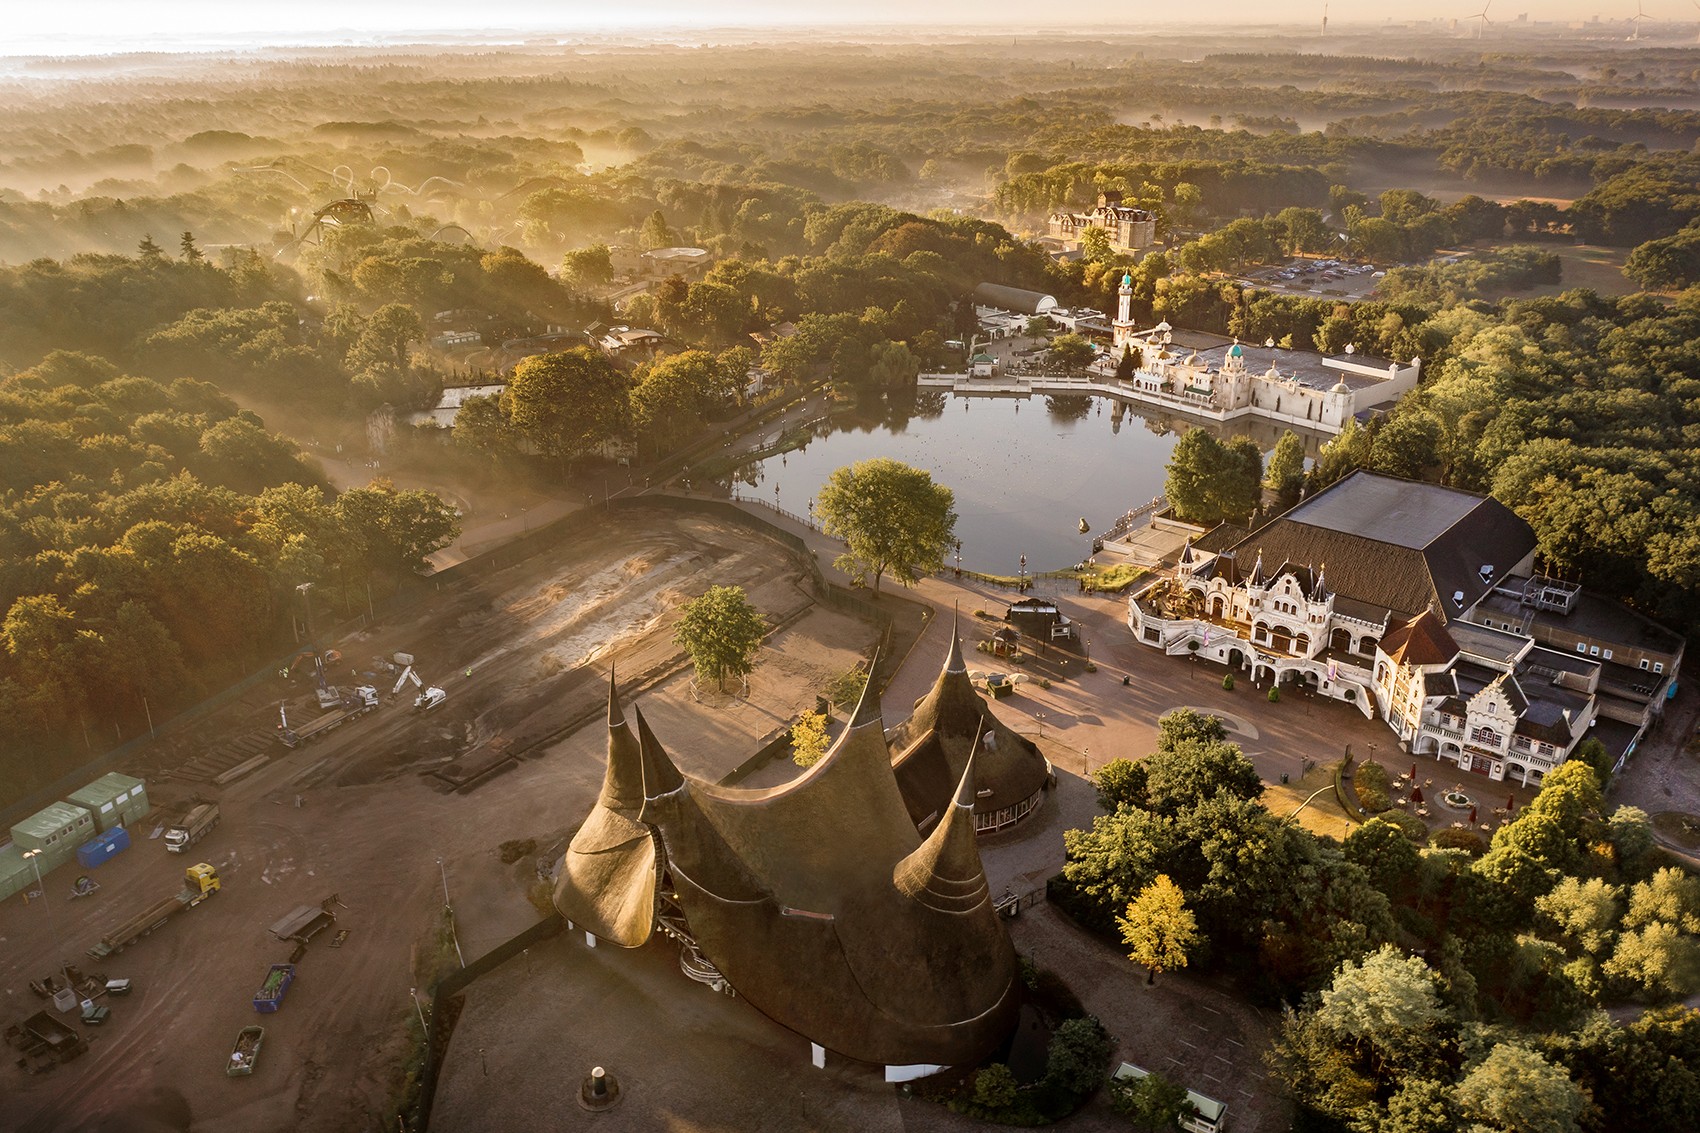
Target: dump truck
(199, 882)
(246, 1052)
(355, 702)
(197, 824)
(270, 996)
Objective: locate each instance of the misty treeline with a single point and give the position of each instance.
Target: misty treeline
(152, 540)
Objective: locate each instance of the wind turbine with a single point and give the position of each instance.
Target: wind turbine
(1637, 19)
(1482, 18)
(1325, 15)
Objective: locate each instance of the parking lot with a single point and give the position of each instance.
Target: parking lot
(1322, 279)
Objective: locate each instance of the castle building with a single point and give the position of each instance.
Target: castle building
(1223, 378)
(1390, 595)
(1130, 229)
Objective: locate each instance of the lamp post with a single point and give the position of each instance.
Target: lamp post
(307, 600)
(959, 558)
(52, 926)
(1021, 575)
(413, 994)
(1040, 716)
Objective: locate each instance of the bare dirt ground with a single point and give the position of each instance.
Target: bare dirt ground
(537, 640)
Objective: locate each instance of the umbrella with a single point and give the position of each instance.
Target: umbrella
(1413, 771)
(1510, 803)
(1472, 816)
(1417, 795)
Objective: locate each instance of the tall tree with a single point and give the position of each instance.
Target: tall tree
(893, 517)
(1285, 475)
(722, 632)
(568, 403)
(1158, 928)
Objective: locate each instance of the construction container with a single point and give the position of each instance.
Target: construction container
(56, 831)
(114, 800)
(15, 873)
(100, 848)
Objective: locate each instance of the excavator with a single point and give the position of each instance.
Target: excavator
(429, 695)
(329, 695)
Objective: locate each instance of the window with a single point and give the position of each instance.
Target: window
(1658, 666)
(1594, 651)
(1607, 655)
(1643, 662)
(1581, 647)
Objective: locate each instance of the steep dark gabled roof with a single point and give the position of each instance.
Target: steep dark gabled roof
(1421, 641)
(1397, 544)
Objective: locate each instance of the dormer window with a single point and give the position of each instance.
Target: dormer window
(1458, 599)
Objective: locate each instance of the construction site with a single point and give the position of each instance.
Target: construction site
(431, 762)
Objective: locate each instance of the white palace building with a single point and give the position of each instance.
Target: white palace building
(1419, 604)
(1202, 375)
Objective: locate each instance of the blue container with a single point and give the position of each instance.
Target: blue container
(101, 847)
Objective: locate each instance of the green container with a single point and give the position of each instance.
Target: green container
(114, 800)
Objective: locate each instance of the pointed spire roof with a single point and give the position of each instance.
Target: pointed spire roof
(953, 662)
(660, 777)
(944, 873)
(868, 706)
(1187, 557)
(1257, 569)
(622, 782)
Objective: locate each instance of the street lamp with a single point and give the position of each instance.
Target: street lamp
(1021, 575)
(959, 558)
(52, 926)
(413, 994)
(1040, 716)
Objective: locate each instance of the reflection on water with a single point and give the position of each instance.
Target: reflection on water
(1025, 470)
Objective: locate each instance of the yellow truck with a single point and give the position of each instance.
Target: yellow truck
(199, 883)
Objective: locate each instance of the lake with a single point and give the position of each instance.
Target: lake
(1024, 470)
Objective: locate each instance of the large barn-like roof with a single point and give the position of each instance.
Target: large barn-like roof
(818, 900)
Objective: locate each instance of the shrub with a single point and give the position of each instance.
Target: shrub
(994, 1086)
(1044, 682)
(1228, 682)
(1372, 774)
(1373, 799)
(1192, 645)
(1452, 838)
(1410, 825)
(1091, 667)
(1078, 1056)
(1274, 695)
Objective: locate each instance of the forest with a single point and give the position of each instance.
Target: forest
(213, 266)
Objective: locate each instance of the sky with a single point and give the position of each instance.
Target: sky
(79, 26)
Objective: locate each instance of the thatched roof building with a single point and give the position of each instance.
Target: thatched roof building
(818, 900)
(933, 746)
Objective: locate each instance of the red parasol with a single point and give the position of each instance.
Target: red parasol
(1416, 794)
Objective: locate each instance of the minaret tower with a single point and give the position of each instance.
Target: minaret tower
(1122, 328)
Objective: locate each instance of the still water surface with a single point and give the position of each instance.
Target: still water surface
(1025, 470)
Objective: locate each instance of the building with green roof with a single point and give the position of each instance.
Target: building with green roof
(56, 831)
(114, 800)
